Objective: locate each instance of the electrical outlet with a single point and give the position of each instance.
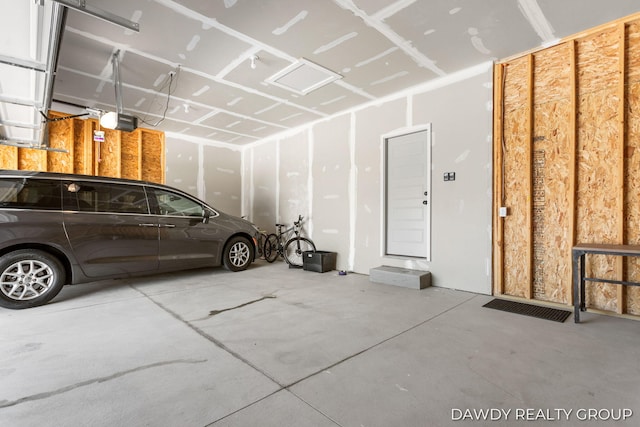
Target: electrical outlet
(449, 176)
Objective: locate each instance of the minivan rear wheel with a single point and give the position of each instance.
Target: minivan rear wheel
(238, 254)
(28, 278)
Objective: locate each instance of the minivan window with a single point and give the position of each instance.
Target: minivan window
(86, 196)
(25, 193)
(173, 204)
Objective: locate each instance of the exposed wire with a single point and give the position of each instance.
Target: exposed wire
(503, 142)
(173, 75)
(170, 84)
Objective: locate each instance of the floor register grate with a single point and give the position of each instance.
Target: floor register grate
(540, 312)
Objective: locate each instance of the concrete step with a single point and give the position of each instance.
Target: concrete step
(398, 276)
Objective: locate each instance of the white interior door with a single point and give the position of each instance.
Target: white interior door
(408, 185)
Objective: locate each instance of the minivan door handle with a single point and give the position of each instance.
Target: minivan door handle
(167, 225)
(148, 225)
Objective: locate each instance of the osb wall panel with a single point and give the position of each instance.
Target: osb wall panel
(584, 166)
(598, 60)
(551, 204)
(632, 48)
(632, 158)
(130, 144)
(597, 201)
(59, 133)
(599, 141)
(632, 200)
(516, 89)
(8, 157)
(152, 146)
(137, 155)
(516, 280)
(82, 146)
(551, 174)
(33, 160)
(108, 153)
(552, 72)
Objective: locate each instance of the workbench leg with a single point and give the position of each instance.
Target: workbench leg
(583, 293)
(577, 277)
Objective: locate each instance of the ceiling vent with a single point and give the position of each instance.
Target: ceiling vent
(303, 77)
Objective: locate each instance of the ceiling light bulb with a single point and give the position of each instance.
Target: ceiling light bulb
(109, 120)
(254, 58)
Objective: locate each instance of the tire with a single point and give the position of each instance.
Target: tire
(238, 254)
(271, 248)
(293, 253)
(29, 278)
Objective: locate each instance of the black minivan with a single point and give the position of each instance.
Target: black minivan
(58, 229)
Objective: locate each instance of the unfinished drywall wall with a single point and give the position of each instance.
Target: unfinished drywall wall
(332, 191)
(371, 124)
(567, 165)
(183, 165)
(222, 178)
(461, 209)
(263, 163)
(341, 158)
(210, 172)
(293, 179)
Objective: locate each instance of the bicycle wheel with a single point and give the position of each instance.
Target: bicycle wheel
(271, 248)
(295, 247)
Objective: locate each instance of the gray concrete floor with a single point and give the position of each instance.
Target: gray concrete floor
(278, 347)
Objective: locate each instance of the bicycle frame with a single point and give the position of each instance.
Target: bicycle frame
(285, 235)
(278, 244)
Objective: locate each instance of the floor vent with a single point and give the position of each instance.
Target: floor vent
(540, 312)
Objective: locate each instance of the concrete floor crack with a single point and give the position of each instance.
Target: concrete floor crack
(45, 395)
(215, 312)
(212, 339)
(364, 350)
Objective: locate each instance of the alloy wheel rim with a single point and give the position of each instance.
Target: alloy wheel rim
(239, 254)
(26, 280)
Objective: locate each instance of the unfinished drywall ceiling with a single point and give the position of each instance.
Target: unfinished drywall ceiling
(377, 47)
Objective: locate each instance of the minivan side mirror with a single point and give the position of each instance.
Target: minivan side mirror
(206, 214)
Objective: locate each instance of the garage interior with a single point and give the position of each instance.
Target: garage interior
(531, 105)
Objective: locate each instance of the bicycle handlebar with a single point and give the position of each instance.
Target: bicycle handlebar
(296, 223)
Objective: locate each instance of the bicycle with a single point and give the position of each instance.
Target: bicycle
(289, 244)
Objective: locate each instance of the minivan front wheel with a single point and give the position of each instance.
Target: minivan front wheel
(28, 278)
(238, 254)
